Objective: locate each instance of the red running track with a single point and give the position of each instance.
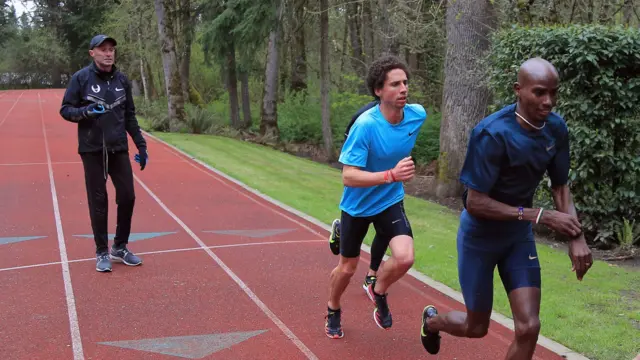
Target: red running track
(226, 274)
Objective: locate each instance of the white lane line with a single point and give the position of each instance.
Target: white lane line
(262, 197)
(73, 163)
(76, 340)
(305, 350)
(169, 251)
(9, 112)
(41, 163)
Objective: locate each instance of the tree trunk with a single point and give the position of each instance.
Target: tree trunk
(357, 58)
(135, 87)
(324, 79)
(143, 76)
(143, 68)
(187, 38)
(367, 32)
(173, 84)
(246, 103)
(283, 72)
(153, 92)
(389, 42)
(345, 36)
(232, 86)
(627, 10)
(465, 98)
(269, 111)
(298, 53)
(605, 13)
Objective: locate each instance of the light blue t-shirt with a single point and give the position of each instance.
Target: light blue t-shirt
(376, 145)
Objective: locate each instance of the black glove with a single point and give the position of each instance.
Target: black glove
(142, 158)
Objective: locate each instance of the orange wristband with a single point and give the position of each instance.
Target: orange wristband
(387, 176)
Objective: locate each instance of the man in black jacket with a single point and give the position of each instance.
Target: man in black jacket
(99, 100)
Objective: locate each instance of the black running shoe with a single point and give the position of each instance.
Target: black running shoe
(381, 314)
(368, 279)
(334, 238)
(430, 340)
(332, 326)
(367, 285)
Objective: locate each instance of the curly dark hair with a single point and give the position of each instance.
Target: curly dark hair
(379, 69)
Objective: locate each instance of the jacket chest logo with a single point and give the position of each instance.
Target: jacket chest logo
(95, 88)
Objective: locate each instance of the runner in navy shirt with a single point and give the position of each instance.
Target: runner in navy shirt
(509, 152)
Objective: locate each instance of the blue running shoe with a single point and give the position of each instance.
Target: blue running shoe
(125, 256)
(332, 327)
(103, 264)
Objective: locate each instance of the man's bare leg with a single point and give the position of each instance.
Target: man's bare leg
(401, 260)
(471, 324)
(525, 306)
(339, 280)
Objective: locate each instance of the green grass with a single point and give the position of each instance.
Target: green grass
(598, 317)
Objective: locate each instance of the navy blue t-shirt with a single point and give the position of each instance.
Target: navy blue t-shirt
(507, 161)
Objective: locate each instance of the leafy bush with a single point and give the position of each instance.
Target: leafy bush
(155, 113)
(427, 146)
(599, 97)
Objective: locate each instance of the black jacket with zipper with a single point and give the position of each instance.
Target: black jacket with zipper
(104, 131)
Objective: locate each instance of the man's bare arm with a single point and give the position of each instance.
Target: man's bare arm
(563, 200)
(482, 206)
(353, 176)
(579, 252)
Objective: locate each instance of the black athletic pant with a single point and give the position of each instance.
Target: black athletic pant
(119, 169)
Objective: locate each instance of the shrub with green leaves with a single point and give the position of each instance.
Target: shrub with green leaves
(599, 97)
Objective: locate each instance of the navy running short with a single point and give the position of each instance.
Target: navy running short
(482, 247)
(388, 224)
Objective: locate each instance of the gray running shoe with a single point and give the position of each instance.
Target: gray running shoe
(125, 256)
(103, 263)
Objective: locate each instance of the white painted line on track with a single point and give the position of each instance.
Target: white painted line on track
(9, 112)
(171, 251)
(305, 350)
(76, 340)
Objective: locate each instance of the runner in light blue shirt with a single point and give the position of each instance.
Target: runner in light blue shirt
(377, 159)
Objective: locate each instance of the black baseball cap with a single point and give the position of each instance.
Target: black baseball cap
(99, 39)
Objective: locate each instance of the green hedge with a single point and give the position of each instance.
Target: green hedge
(599, 98)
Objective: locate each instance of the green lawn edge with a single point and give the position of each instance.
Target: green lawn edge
(598, 317)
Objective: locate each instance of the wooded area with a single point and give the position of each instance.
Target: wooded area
(292, 71)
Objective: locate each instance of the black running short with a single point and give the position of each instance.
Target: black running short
(388, 224)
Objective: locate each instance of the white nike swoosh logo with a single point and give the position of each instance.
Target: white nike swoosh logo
(119, 89)
(532, 257)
